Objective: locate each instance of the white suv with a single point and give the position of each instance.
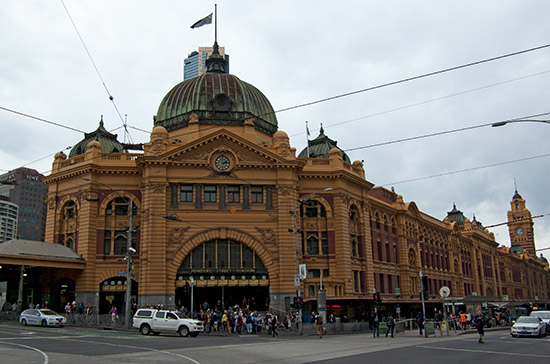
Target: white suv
(157, 321)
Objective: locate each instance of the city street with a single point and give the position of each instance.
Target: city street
(91, 346)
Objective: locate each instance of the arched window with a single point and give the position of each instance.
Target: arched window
(119, 207)
(312, 243)
(68, 225)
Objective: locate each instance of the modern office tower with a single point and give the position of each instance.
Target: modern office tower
(24, 187)
(195, 63)
(8, 219)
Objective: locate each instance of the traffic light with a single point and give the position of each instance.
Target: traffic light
(298, 302)
(376, 298)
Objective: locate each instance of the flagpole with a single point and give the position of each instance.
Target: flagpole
(307, 140)
(215, 23)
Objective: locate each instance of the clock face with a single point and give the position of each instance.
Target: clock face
(222, 163)
(520, 231)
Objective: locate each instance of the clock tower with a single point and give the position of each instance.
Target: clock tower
(520, 225)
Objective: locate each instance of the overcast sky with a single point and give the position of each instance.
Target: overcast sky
(296, 52)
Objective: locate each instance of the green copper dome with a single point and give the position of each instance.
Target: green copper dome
(456, 215)
(108, 141)
(217, 98)
(320, 147)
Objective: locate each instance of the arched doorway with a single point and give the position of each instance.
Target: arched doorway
(222, 272)
(64, 291)
(112, 291)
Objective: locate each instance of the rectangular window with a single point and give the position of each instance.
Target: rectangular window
(186, 193)
(256, 194)
(235, 254)
(356, 281)
(107, 243)
(223, 259)
(210, 193)
(324, 242)
(233, 194)
(311, 211)
(312, 243)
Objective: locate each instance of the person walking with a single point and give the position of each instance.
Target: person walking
(274, 325)
(319, 325)
(480, 323)
(420, 322)
(391, 325)
(375, 326)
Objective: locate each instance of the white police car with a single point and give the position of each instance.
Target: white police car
(42, 317)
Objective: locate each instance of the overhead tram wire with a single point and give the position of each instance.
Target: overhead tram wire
(467, 170)
(326, 126)
(97, 71)
(440, 133)
(408, 79)
(43, 120)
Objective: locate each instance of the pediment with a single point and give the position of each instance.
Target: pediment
(201, 150)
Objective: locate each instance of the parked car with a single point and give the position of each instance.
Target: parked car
(157, 321)
(42, 317)
(545, 316)
(528, 326)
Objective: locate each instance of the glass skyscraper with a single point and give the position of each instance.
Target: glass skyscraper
(195, 63)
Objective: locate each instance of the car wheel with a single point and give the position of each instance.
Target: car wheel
(156, 333)
(44, 323)
(145, 329)
(193, 334)
(514, 335)
(24, 322)
(183, 331)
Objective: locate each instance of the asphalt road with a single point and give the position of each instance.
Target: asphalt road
(27, 345)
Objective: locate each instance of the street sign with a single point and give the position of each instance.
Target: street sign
(296, 280)
(398, 291)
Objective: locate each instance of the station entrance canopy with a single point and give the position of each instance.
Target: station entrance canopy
(39, 254)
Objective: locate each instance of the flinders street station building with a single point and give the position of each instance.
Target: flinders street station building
(220, 201)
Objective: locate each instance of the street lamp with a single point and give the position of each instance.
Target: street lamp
(129, 252)
(502, 123)
(302, 200)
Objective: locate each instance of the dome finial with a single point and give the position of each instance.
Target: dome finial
(322, 131)
(101, 121)
(215, 63)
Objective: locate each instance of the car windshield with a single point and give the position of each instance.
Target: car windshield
(48, 312)
(544, 315)
(528, 320)
(180, 315)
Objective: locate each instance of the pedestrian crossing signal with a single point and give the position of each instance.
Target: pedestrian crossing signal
(376, 298)
(298, 302)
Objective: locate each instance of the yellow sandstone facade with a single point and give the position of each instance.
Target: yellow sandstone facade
(214, 194)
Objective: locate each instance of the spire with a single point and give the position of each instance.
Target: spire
(215, 63)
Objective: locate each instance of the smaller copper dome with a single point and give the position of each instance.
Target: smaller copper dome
(108, 141)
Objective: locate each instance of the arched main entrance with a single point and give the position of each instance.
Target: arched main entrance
(222, 272)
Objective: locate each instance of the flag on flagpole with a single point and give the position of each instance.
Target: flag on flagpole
(203, 21)
(307, 129)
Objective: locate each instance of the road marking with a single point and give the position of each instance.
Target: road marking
(46, 359)
(481, 351)
(72, 338)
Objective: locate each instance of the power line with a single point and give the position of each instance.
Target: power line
(40, 119)
(408, 79)
(326, 126)
(467, 170)
(97, 70)
(441, 133)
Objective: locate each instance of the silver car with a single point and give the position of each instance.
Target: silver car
(528, 326)
(42, 317)
(545, 316)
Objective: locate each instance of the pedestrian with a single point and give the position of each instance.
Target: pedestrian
(375, 326)
(114, 314)
(391, 325)
(319, 325)
(274, 325)
(420, 322)
(480, 323)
